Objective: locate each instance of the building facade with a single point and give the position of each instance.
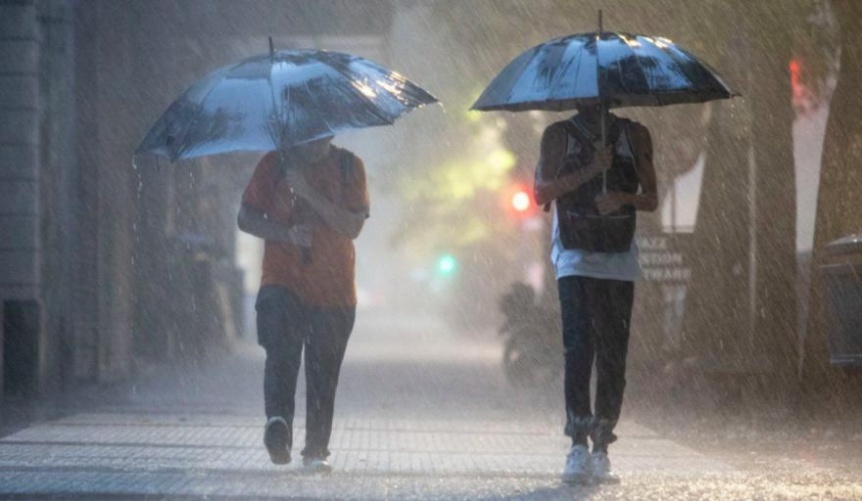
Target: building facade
(106, 263)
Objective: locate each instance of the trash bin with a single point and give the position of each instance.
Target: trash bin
(841, 274)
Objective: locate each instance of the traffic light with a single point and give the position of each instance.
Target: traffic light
(446, 265)
(519, 201)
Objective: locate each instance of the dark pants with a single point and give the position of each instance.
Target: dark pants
(596, 315)
(284, 326)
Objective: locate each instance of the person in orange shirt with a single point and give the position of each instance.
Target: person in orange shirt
(308, 203)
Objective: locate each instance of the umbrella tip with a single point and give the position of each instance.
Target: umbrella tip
(601, 28)
(271, 48)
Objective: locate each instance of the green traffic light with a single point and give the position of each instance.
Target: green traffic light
(446, 264)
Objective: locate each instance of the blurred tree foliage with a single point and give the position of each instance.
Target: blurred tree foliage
(457, 200)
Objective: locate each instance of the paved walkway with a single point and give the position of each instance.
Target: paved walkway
(422, 414)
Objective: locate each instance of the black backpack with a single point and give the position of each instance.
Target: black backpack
(581, 225)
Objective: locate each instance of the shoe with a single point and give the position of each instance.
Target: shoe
(600, 467)
(316, 465)
(577, 470)
(275, 438)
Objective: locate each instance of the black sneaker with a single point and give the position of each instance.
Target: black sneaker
(275, 439)
(316, 465)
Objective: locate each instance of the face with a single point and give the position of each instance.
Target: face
(312, 152)
(591, 113)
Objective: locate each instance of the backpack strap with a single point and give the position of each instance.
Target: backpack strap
(572, 131)
(345, 164)
(626, 128)
(577, 131)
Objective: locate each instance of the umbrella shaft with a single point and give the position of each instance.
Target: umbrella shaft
(602, 116)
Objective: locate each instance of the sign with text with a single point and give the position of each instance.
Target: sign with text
(662, 258)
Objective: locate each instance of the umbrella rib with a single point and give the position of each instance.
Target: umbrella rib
(278, 110)
(374, 107)
(663, 69)
(315, 100)
(649, 81)
(272, 96)
(578, 62)
(194, 120)
(670, 51)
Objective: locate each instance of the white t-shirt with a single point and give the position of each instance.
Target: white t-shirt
(606, 265)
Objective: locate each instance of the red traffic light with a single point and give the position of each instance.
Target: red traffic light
(519, 201)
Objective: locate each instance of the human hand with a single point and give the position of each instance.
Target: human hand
(610, 202)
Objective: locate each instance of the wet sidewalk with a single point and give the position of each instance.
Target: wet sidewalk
(373, 458)
(422, 413)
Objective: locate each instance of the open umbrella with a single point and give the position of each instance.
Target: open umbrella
(276, 100)
(602, 67)
(607, 68)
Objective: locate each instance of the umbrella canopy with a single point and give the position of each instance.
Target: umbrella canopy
(278, 100)
(617, 69)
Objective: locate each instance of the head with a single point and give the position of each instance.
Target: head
(592, 112)
(312, 151)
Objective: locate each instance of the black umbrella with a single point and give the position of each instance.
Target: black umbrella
(606, 68)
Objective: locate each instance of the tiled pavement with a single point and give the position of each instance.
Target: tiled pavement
(127, 442)
(124, 454)
(421, 415)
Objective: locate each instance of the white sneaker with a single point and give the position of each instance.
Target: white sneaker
(600, 466)
(577, 469)
(316, 465)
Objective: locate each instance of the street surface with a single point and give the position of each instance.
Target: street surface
(422, 413)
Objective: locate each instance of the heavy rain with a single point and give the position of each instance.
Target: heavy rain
(180, 246)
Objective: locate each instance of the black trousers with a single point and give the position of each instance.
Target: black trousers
(284, 327)
(595, 315)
